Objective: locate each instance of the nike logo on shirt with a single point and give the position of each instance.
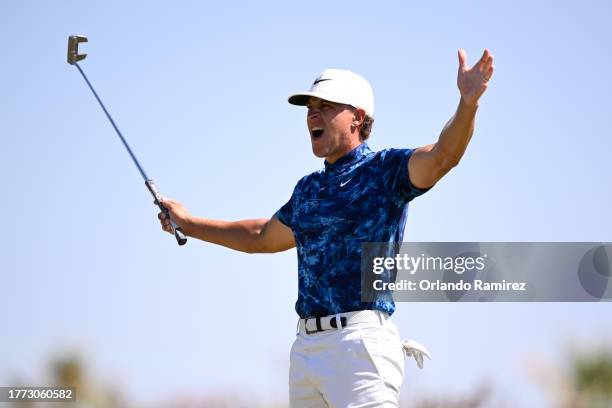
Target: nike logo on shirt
(344, 183)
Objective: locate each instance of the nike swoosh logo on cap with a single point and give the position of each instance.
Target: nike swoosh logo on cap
(321, 80)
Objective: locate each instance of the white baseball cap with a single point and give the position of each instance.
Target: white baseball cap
(340, 86)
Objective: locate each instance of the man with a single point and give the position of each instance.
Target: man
(347, 352)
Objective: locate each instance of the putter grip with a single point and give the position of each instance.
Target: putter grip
(181, 239)
(180, 236)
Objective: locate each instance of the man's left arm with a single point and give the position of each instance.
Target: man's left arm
(430, 163)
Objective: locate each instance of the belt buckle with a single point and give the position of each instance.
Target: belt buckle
(318, 325)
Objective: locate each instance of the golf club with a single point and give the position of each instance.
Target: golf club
(73, 57)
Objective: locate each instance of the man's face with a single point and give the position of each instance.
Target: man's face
(331, 128)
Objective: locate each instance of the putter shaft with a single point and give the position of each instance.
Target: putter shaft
(73, 57)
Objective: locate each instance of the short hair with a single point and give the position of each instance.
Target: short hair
(366, 127)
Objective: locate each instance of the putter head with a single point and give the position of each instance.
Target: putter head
(73, 48)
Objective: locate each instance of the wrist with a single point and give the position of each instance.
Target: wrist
(467, 110)
(190, 226)
(468, 105)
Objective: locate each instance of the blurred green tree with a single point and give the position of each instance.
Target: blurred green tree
(592, 375)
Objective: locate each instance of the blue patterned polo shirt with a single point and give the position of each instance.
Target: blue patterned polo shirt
(362, 197)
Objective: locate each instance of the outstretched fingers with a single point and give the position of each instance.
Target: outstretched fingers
(483, 60)
(488, 67)
(488, 61)
(462, 59)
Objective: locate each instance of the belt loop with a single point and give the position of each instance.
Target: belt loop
(380, 317)
(297, 329)
(338, 322)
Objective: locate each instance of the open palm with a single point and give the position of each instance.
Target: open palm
(472, 82)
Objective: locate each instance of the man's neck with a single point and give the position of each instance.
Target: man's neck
(335, 157)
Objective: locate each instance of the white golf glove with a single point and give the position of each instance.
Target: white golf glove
(413, 349)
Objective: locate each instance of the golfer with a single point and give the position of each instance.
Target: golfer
(347, 353)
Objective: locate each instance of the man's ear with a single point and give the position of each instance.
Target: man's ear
(359, 116)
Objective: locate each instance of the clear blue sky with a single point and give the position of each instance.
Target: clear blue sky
(200, 92)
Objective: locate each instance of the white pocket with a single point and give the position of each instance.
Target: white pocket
(384, 348)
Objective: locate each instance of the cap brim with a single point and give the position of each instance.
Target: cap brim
(299, 99)
(302, 99)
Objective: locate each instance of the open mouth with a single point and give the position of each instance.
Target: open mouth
(316, 132)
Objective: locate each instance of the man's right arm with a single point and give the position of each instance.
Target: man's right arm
(252, 236)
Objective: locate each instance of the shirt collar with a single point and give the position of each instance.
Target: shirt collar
(348, 159)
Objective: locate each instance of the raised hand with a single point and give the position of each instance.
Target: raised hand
(472, 82)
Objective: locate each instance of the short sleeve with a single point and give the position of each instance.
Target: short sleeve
(394, 172)
(285, 213)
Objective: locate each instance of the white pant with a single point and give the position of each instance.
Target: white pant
(359, 366)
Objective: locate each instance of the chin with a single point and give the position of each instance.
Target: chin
(319, 152)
